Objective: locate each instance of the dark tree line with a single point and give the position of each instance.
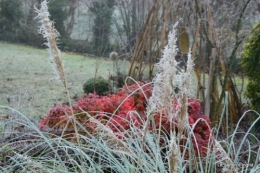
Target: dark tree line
(18, 24)
(116, 20)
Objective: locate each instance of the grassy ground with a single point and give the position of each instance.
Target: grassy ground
(26, 77)
(27, 81)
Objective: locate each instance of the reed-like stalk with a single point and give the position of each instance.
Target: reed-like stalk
(163, 94)
(49, 32)
(183, 82)
(174, 156)
(164, 81)
(169, 78)
(51, 35)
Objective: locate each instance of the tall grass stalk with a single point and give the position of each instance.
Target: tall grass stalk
(163, 90)
(183, 82)
(167, 79)
(51, 35)
(49, 32)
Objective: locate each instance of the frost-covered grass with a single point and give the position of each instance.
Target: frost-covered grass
(27, 78)
(41, 151)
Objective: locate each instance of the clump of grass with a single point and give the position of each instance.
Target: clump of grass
(167, 79)
(42, 151)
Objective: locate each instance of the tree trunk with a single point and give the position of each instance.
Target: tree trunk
(72, 10)
(208, 100)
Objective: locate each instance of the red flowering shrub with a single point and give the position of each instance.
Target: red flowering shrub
(118, 112)
(138, 94)
(56, 117)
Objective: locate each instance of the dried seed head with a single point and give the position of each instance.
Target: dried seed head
(163, 90)
(51, 34)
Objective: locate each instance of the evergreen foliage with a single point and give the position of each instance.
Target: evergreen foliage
(10, 16)
(102, 10)
(15, 26)
(96, 85)
(251, 65)
(58, 15)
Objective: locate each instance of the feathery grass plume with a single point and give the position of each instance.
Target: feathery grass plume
(174, 156)
(51, 34)
(164, 81)
(163, 96)
(183, 82)
(163, 93)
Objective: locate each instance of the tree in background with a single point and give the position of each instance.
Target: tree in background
(58, 15)
(73, 4)
(10, 16)
(216, 44)
(251, 65)
(103, 11)
(129, 22)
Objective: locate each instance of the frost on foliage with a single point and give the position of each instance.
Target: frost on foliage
(183, 78)
(169, 78)
(164, 80)
(183, 81)
(51, 34)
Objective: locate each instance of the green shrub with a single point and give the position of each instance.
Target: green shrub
(103, 12)
(251, 66)
(97, 85)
